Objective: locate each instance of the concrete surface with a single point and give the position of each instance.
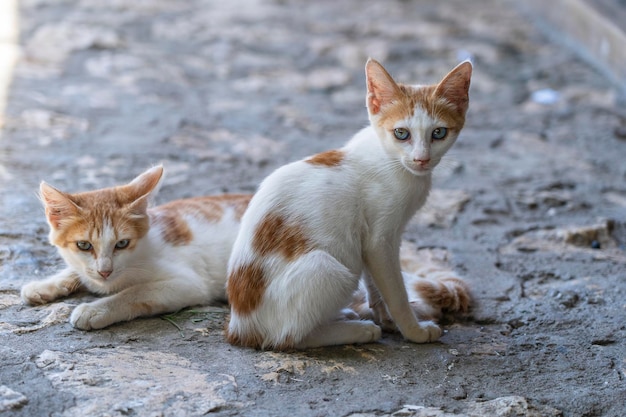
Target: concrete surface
(223, 93)
(594, 29)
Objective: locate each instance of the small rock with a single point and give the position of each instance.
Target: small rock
(54, 42)
(516, 323)
(10, 399)
(568, 299)
(512, 406)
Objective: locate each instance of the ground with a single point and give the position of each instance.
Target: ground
(530, 206)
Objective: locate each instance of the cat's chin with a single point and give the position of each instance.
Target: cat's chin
(98, 284)
(417, 171)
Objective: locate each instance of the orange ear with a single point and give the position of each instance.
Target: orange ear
(381, 88)
(139, 189)
(59, 206)
(455, 86)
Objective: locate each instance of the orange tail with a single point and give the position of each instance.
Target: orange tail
(432, 297)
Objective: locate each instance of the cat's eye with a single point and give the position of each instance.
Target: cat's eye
(439, 133)
(83, 245)
(122, 244)
(402, 133)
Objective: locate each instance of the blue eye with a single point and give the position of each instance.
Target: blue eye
(83, 245)
(439, 133)
(402, 133)
(122, 244)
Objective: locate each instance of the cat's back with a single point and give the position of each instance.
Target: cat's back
(328, 178)
(319, 198)
(199, 221)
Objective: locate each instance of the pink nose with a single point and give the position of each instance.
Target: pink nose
(422, 161)
(104, 274)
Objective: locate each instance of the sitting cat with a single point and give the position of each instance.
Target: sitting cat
(146, 261)
(319, 225)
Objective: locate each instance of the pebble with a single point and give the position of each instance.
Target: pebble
(10, 399)
(545, 96)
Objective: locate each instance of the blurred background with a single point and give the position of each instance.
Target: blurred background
(530, 206)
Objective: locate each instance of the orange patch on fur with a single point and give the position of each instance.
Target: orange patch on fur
(275, 235)
(170, 216)
(92, 211)
(423, 97)
(174, 229)
(245, 288)
(329, 158)
(450, 294)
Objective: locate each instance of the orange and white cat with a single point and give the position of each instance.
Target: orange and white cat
(319, 225)
(146, 261)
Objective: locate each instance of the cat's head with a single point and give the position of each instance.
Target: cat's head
(417, 124)
(96, 232)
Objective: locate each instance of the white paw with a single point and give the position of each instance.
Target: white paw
(423, 332)
(371, 333)
(35, 293)
(87, 317)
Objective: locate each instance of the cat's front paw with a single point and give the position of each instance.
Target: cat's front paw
(36, 293)
(88, 317)
(370, 333)
(423, 332)
(383, 319)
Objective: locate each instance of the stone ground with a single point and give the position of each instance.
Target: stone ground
(530, 206)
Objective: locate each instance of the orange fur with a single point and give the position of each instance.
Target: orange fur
(449, 294)
(275, 235)
(246, 286)
(174, 229)
(145, 261)
(170, 216)
(329, 158)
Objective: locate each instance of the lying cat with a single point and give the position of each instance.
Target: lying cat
(146, 261)
(319, 225)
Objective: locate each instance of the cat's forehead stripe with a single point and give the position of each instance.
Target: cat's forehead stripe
(421, 98)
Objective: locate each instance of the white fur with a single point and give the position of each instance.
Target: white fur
(166, 277)
(154, 277)
(353, 215)
(351, 212)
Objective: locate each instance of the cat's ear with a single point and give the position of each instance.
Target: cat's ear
(454, 87)
(381, 88)
(59, 206)
(142, 187)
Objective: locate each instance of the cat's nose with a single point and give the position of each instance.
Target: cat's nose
(104, 274)
(422, 161)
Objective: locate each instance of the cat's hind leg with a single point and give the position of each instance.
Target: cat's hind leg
(341, 332)
(299, 307)
(49, 289)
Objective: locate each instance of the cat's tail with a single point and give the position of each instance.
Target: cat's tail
(437, 294)
(432, 296)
